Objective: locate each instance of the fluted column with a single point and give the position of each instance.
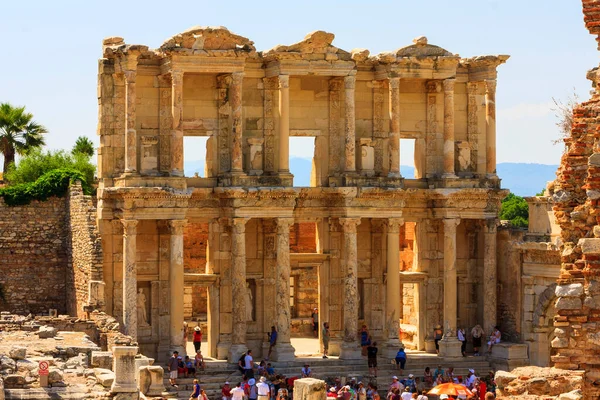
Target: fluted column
(284, 350)
(350, 124)
(131, 165)
(392, 287)
(489, 275)
(450, 346)
(350, 347)
(284, 124)
(177, 118)
(238, 288)
(490, 126)
(449, 128)
(129, 278)
(394, 138)
(176, 285)
(235, 99)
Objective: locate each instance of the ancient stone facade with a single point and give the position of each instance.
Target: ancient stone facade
(245, 211)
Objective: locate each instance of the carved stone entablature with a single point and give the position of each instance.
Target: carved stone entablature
(483, 67)
(149, 140)
(209, 41)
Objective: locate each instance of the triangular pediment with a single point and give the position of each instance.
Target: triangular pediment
(317, 42)
(421, 48)
(208, 38)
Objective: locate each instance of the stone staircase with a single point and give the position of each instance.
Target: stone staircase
(218, 372)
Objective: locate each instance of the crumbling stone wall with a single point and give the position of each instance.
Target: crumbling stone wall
(576, 193)
(84, 275)
(33, 256)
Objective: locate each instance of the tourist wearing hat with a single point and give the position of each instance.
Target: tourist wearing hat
(226, 392)
(237, 393)
(470, 379)
(410, 382)
(263, 389)
(406, 394)
(396, 385)
(306, 371)
(361, 391)
(477, 333)
(437, 336)
(197, 338)
(250, 389)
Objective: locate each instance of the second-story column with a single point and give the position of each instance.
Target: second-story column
(449, 128)
(490, 127)
(350, 348)
(177, 118)
(284, 124)
(238, 289)
(176, 283)
(284, 350)
(235, 98)
(350, 124)
(394, 138)
(130, 278)
(131, 164)
(392, 288)
(490, 276)
(450, 346)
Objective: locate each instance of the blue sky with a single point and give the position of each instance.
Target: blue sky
(50, 50)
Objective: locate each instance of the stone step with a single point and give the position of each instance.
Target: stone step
(67, 393)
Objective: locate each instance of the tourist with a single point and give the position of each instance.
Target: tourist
(197, 338)
(365, 339)
(444, 396)
(262, 368)
(181, 369)
(400, 359)
(237, 393)
(449, 375)
(199, 361)
(477, 333)
(428, 377)
(270, 370)
(315, 321)
(344, 393)
(439, 371)
(482, 388)
(250, 389)
(423, 395)
(282, 394)
(419, 385)
(248, 365)
(242, 363)
(226, 392)
(437, 336)
(173, 365)
(203, 395)
(406, 394)
(325, 337)
(410, 383)
(196, 393)
(262, 389)
(489, 396)
(463, 341)
(470, 379)
(372, 391)
(394, 394)
(189, 367)
(494, 338)
(361, 392)
(272, 340)
(395, 385)
(372, 359)
(306, 372)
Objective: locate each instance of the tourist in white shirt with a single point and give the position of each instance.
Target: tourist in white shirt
(237, 393)
(463, 341)
(470, 379)
(406, 395)
(263, 389)
(306, 372)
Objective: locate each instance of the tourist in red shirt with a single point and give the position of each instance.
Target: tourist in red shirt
(197, 338)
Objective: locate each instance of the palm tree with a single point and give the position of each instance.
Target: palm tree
(18, 133)
(83, 145)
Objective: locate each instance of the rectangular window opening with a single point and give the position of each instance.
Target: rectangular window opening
(303, 164)
(408, 167)
(194, 156)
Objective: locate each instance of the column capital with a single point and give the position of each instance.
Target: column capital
(394, 224)
(349, 224)
(449, 84)
(433, 86)
(237, 78)
(472, 87)
(350, 82)
(284, 81)
(490, 86)
(176, 226)
(490, 225)
(239, 224)
(394, 82)
(283, 225)
(451, 223)
(177, 77)
(129, 226)
(130, 75)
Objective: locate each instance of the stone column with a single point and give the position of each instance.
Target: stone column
(350, 125)
(129, 278)
(350, 347)
(490, 292)
(490, 127)
(235, 99)
(238, 288)
(450, 346)
(449, 128)
(284, 124)
(177, 118)
(393, 297)
(176, 285)
(284, 350)
(394, 138)
(124, 369)
(131, 164)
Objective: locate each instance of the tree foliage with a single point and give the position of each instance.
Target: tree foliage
(83, 145)
(19, 134)
(37, 163)
(514, 208)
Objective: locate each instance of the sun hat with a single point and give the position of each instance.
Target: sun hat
(251, 382)
(197, 328)
(395, 377)
(443, 396)
(263, 379)
(472, 371)
(227, 383)
(411, 376)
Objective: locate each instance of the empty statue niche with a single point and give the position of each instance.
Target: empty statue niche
(306, 159)
(195, 151)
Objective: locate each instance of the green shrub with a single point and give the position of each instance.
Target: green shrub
(52, 183)
(515, 209)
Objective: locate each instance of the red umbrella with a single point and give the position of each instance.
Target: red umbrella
(451, 389)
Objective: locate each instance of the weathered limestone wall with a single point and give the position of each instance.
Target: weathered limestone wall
(33, 256)
(84, 276)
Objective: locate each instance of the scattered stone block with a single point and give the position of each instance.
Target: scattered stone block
(105, 377)
(310, 389)
(46, 332)
(55, 375)
(18, 353)
(14, 381)
(151, 380)
(102, 359)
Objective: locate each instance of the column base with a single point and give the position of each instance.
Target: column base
(223, 350)
(449, 176)
(391, 347)
(124, 388)
(282, 352)
(450, 348)
(235, 352)
(350, 351)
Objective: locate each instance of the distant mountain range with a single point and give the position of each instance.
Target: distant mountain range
(522, 179)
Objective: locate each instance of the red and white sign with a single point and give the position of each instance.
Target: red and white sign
(43, 367)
